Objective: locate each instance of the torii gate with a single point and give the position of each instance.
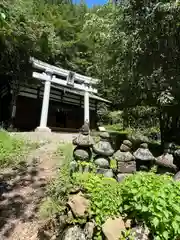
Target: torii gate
(64, 78)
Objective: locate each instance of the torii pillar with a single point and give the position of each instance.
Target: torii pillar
(45, 106)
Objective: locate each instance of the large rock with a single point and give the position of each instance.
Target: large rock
(112, 228)
(165, 161)
(144, 158)
(106, 172)
(127, 143)
(122, 176)
(83, 141)
(126, 167)
(143, 153)
(123, 156)
(103, 147)
(74, 233)
(177, 176)
(82, 154)
(89, 230)
(125, 148)
(79, 204)
(102, 162)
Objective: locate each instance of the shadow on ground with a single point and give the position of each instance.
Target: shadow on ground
(21, 190)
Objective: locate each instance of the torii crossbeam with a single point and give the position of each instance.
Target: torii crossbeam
(49, 73)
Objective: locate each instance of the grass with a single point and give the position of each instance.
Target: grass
(58, 190)
(13, 150)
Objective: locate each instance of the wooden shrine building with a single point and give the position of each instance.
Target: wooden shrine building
(66, 104)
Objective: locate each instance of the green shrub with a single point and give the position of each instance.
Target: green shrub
(103, 114)
(104, 194)
(113, 127)
(12, 149)
(144, 197)
(116, 118)
(141, 117)
(59, 188)
(155, 200)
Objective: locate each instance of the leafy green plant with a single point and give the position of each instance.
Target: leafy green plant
(155, 200)
(113, 164)
(103, 193)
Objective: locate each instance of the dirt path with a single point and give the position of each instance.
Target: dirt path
(19, 205)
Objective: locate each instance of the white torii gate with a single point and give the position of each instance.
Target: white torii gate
(57, 75)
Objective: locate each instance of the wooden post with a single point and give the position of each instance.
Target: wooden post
(45, 106)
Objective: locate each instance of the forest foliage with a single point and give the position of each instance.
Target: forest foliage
(132, 47)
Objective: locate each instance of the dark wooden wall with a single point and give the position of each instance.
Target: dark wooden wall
(29, 110)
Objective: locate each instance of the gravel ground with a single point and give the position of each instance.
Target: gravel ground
(46, 136)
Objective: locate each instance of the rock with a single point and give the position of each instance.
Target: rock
(140, 233)
(82, 154)
(103, 147)
(125, 148)
(166, 161)
(143, 153)
(144, 158)
(74, 233)
(83, 141)
(104, 135)
(75, 190)
(127, 143)
(69, 216)
(89, 230)
(108, 173)
(123, 156)
(79, 204)
(177, 176)
(113, 228)
(73, 166)
(126, 167)
(102, 162)
(121, 176)
(176, 155)
(128, 223)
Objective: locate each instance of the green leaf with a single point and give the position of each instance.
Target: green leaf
(165, 235)
(155, 221)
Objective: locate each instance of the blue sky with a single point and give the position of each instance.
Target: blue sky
(90, 3)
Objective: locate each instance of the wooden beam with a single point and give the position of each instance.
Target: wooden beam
(45, 77)
(62, 72)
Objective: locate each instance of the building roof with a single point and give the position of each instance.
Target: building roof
(62, 73)
(80, 93)
(45, 67)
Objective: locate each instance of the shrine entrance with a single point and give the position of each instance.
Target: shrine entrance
(68, 80)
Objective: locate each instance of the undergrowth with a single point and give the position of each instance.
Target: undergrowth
(58, 189)
(147, 198)
(13, 150)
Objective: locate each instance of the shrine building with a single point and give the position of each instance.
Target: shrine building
(60, 101)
